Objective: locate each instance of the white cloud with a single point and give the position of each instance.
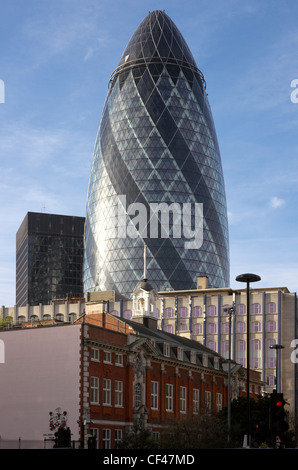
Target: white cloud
(276, 202)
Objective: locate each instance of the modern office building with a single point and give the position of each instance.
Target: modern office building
(49, 258)
(156, 176)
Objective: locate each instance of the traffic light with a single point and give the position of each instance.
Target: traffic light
(279, 424)
(91, 442)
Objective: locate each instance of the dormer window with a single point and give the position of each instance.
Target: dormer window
(166, 349)
(205, 360)
(193, 357)
(180, 354)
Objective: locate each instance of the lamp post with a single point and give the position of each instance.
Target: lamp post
(278, 347)
(231, 310)
(248, 278)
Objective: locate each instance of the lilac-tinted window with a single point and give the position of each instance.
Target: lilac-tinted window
(169, 312)
(271, 307)
(225, 328)
(211, 345)
(211, 328)
(241, 309)
(225, 348)
(169, 328)
(241, 327)
(271, 325)
(256, 353)
(197, 311)
(240, 351)
(271, 380)
(271, 353)
(127, 314)
(211, 311)
(256, 308)
(183, 327)
(197, 329)
(115, 313)
(256, 326)
(182, 312)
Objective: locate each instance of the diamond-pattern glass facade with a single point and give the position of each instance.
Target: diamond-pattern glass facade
(156, 144)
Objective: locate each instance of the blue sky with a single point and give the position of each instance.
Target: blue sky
(56, 60)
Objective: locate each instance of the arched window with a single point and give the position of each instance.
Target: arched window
(256, 308)
(115, 313)
(211, 345)
(225, 349)
(72, 317)
(241, 327)
(271, 353)
(211, 328)
(197, 329)
(240, 352)
(256, 353)
(271, 307)
(34, 318)
(271, 325)
(271, 380)
(168, 328)
(256, 326)
(169, 312)
(241, 309)
(197, 311)
(211, 311)
(127, 314)
(182, 312)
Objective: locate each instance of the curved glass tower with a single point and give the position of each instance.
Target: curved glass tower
(156, 176)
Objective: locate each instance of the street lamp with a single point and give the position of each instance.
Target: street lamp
(278, 347)
(231, 310)
(248, 278)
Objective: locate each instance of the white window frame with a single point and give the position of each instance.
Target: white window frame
(180, 353)
(107, 357)
(118, 393)
(118, 436)
(208, 402)
(106, 438)
(119, 359)
(95, 354)
(196, 400)
(218, 401)
(169, 397)
(154, 395)
(94, 390)
(183, 394)
(166, 349)
(106, 395)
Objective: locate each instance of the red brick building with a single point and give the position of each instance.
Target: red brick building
(134, 373)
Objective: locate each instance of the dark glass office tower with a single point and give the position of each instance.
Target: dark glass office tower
(49, 258)
(156, 145)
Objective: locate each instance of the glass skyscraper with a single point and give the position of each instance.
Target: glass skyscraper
(156, 177)
(49, 258)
